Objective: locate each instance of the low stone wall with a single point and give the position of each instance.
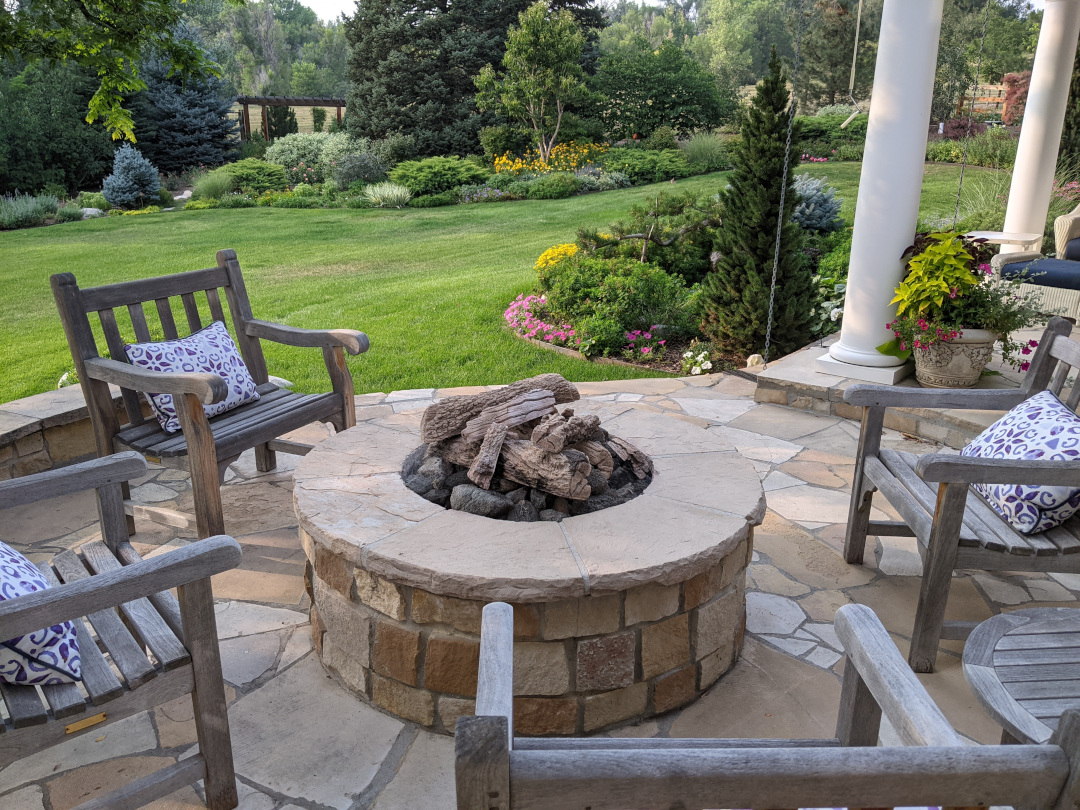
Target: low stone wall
(47, 430)
(580, 665)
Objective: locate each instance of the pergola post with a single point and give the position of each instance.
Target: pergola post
(1044, 116)
(889, 188)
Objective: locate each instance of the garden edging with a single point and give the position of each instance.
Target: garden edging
(607, 361)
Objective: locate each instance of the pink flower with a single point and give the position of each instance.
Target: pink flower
(662, 342)
(1025, 350)
(1033, 343)
(645, 350)
(952, 292)
(1025, 366)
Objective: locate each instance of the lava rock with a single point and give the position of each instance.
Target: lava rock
(523, 512)
(456, 478)
(598, 483)
(551, 514)
(420, 484)
(476, 501)
(605, 501)
(599, 435)
(620, 477)
(518, 495)
(539, 499)
(640, 485)
(438, 496)
(561, 505)
(413, 461)
(437, 469)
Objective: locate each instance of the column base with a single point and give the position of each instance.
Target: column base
(882, 376)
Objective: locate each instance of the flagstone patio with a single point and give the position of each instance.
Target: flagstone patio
(302, 741)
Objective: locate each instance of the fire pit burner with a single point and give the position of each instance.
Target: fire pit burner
(514, 454)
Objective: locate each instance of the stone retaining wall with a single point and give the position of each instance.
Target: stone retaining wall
(47, 430)
(580, 665)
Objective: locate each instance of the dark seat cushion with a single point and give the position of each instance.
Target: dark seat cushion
(1072, 250)
(1059, 273)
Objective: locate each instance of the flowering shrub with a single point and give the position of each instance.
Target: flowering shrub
(811, 159)
(302, 173)
(523, 316)
(481, 194)
(564, 157)
(644, 345)
(555, 254)
(694, 363)
(1069, 191)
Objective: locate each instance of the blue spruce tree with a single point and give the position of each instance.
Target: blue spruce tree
(134, 182)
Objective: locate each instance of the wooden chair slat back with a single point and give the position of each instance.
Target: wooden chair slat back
(168, 323)
(1067, 352)
(76, 305)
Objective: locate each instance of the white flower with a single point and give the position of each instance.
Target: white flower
(688, 355)
(836, 313)
(706, 365)
(695, 370)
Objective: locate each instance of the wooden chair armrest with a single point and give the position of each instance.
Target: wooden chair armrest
(495, 684)
(887, 396)
(350, 340)
(91, 474)
(870, 649)
(975, 470)
(207, 386)
(200, 560)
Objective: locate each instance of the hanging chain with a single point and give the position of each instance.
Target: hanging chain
(971, 113)
(783, 184)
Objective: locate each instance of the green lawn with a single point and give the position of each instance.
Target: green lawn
(429, 286)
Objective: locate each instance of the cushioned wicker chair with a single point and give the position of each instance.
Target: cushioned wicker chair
(1057, 280)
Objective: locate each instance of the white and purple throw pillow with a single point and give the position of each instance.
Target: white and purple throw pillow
(210, 350)
(47, 656)
(1043, 429)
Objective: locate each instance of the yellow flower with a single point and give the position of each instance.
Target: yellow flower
(554, 255)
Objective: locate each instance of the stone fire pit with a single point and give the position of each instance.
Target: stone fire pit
(620, 614)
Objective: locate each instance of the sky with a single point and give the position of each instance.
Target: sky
(328, 10)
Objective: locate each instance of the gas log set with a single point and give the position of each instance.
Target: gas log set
(516, 453)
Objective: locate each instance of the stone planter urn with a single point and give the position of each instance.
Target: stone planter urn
(957, 363)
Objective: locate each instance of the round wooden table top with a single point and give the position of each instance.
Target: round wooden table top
(1024, 668)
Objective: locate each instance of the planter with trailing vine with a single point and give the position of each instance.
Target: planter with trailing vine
(957, 363)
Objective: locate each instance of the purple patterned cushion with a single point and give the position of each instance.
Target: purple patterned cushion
(1038, 428)
(209, 349)
(46, 656)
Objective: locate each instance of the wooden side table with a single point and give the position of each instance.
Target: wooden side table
(1024, 668)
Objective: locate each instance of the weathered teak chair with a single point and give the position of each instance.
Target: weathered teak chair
(954, 525)
(497, 771)
(205, 447)
(127, 602)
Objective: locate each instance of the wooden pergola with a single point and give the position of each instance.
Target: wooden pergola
(284, 101)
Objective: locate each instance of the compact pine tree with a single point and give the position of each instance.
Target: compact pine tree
(180, 124)
(735, 297)
(134, 181)
(282, 121)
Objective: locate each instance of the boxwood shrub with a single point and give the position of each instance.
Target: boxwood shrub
(252, 174)
(436, 174)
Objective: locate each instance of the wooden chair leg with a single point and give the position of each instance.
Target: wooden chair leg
(208, 697)
(334, 357)
(937, 575)
(265, 458)
(202, 459)
(858, 721)
(862, 491)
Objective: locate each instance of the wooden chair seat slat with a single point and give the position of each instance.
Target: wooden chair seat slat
(163, 601)
(24, 705)
(998, 535)
(65, 699)
(267, 403)
(191, 310)
(138, 322)
(258, 423)
(98, 678)
(152, 629)
(902, 466)
(126, 653)
(1064, 536)
(165, 315)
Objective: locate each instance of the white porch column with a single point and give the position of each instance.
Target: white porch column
(889, 187)
(1044, 116)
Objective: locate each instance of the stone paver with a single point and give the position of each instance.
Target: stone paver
(303, 743)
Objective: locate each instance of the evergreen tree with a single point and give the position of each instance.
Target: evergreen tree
(1070, 133)
(282, 121)
(735, 297)
(134, 181)
(183, 124)
(412, 64)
